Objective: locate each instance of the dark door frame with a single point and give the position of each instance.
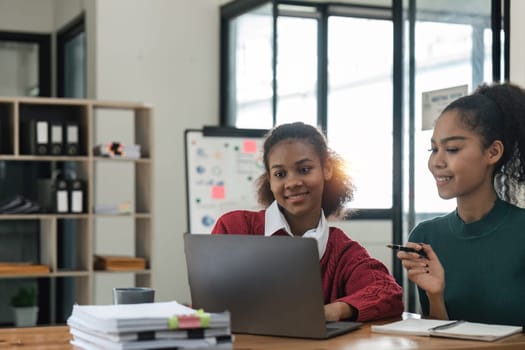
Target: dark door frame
(64, 35)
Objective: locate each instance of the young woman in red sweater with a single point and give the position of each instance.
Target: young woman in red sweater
(304, 183)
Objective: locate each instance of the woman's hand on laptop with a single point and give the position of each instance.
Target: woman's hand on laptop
(338, 311)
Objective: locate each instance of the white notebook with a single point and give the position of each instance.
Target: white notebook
(449, 329)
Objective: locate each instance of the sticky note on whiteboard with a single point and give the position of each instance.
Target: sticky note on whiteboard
(217, 192)
(249, 146)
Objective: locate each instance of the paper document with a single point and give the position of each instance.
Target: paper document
(411, 326)
(448, 328)
(143, 317)
(157, 325)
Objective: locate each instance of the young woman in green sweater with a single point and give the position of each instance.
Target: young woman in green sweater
(475, 264)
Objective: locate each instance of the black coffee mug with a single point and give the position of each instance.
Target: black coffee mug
(133, 295)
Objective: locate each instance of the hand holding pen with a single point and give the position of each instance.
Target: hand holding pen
(402, 248)
(428, 273)
(424, 269)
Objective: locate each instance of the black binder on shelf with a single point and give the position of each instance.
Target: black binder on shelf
(3, 135)
(53, 196)
(36, 137)
(61, 196)
(71, 139)
(56, 135)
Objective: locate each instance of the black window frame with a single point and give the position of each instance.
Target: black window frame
(64, 35)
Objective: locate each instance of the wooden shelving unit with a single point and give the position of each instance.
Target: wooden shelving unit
(52, 229)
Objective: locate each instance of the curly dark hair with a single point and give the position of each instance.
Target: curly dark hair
(337, 191)
(497, 112)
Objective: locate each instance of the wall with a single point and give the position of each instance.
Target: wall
(517, 42)
(165, 53)
(26, 16)
(66, 10)
(374, 235)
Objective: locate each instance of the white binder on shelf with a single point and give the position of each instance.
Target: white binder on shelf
(72, 136)
(56, 138)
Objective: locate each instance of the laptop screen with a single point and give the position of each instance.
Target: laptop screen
(270, 285)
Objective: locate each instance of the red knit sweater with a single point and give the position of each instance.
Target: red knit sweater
(349, 274)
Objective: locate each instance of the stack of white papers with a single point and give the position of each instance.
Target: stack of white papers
(148, 326)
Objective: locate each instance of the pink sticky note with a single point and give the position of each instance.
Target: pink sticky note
(249, 146)
(217, 192)
(189, 321)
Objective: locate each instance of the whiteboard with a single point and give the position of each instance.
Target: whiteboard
(222, 165)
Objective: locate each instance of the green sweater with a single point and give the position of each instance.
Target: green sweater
(484, 264)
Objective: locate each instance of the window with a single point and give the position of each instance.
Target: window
(261, 90)
(247, 78)
(360, 104)
(453, 46)
(341, 77)
(297, 68)
(357, 69)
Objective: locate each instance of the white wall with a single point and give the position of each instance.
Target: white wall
(27, 16)
(165, 53)
(517, 42)
(66, 10)
(374, 235)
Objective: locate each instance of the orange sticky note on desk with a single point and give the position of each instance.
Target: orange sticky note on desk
(249, 146)
(217, 192)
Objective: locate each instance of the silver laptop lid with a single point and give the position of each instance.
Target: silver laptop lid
(270, 285)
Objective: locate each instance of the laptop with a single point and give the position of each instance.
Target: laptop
(270, 285)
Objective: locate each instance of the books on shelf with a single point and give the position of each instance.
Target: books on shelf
(114, 209)
(22, 268)
(448, 329)
(148, 326)
(119, 263)
(118, 150)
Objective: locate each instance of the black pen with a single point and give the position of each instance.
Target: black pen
(407, 249)
(446, 325)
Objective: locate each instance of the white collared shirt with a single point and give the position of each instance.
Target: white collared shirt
(274, 221)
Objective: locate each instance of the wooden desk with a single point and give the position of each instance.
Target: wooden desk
(57, 338)
(364, 339)
(34, 338)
